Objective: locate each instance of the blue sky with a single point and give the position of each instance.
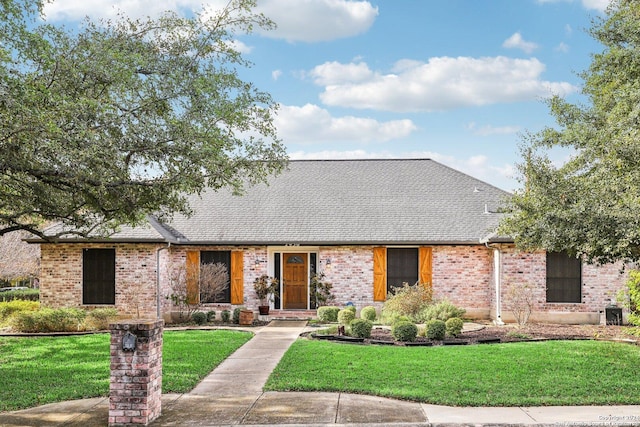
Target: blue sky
(458, 81)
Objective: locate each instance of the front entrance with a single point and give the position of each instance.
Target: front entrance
(295, 280)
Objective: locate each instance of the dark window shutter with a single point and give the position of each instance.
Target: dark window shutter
(564, 278)
(99, 276)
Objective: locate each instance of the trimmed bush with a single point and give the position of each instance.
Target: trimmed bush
(404, 331)
(361, 328)
(50, 320)
(436, 329)
(226, 316)
(454, 326)
(442, 310)
(328, 314)
(352, 308)
(368, 313)
(236, 314)
(99, 318)
(22, 294)
(345, 317)
(211, 316)
(199, 317)
(7, 309)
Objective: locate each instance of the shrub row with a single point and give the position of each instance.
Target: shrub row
(23, 294)
(63, 320)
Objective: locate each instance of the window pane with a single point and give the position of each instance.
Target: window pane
(402, 266)
(564, 278)
(99, 276)
(214, 257)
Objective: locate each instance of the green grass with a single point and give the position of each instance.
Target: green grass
(35, 371)
(516, 374)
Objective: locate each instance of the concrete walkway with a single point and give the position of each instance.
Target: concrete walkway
(232, 395)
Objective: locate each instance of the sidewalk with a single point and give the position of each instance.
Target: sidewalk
(232, 395)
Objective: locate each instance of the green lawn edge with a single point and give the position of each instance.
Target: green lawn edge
(511, 374)
(39, 370)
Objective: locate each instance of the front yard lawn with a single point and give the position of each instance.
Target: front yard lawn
(35, 371)
(514, 374)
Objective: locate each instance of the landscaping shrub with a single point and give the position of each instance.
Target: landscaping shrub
(436, 329)
(236, 314)
(99, 318)
(211, 316)
(50, 320)
(199, 317)
(634, 297)
(404, 331)
(368, 313)
(226, 316)
(361, 328)
(7, 309)
(407, 301)
(328, 314)
(346, 316)
(352, 308)
(454, 326)
(22, 294)
(442, 310)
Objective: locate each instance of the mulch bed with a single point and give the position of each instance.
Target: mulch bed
(490, 333)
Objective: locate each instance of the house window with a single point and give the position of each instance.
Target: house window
(99, 276)
(402, 267)
(564, 278)
(215, 257)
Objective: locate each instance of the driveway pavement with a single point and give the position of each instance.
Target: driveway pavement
(232, 395)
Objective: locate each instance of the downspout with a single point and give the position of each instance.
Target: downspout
(159, 314)
(497, 275)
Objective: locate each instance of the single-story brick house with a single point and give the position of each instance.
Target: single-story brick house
(368, 225)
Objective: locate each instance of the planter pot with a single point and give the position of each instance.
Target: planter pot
(263, 309)
(246, 317)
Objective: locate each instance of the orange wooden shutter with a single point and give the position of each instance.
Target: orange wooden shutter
(193, 276)
(237, 277)
(379, 274)
(425, 256)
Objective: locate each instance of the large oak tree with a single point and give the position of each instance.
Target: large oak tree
(102, 125)
(589, 206)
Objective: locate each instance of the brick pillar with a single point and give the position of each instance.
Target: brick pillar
(136, 376)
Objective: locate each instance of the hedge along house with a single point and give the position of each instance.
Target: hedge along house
(368, 225)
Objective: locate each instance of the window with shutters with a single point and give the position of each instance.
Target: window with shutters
(402, 267)
(215, 257)
(99, 276)
(564, 278)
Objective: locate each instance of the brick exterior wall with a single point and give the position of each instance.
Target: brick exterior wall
(599, 283)
(61, 276)
(463, 274)
(135, 391)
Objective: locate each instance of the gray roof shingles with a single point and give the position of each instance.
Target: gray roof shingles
(330, 202)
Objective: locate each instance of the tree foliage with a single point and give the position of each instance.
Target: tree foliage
(122, 118)
(589, 206)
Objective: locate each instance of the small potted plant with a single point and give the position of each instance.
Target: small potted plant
(263, 286)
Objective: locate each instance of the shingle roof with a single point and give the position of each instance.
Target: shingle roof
(328, 202)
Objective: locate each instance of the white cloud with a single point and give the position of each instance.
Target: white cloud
(478, 166)
(311, 124)
(562, 47)
(276, 74)
(442, 83)
(489, 130)
(75, 10)
(335, 73)
(318, 20)
(600, 5)
(517, 42)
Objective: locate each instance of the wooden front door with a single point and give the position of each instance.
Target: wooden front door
(295, 281)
